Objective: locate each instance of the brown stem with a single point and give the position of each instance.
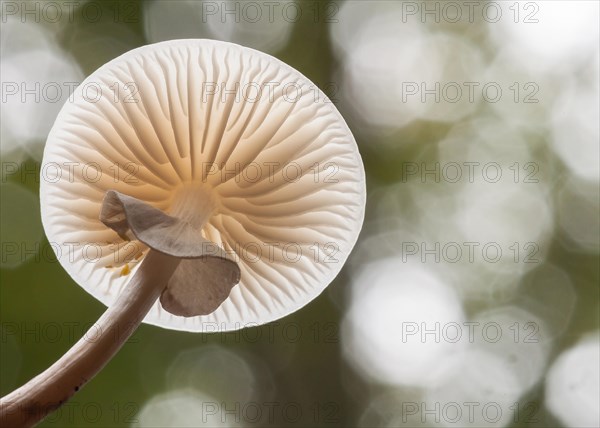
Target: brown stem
(30, 403)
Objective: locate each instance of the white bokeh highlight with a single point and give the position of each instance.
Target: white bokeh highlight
(573, 384)
(180, 408)
(395, 72)
(37, 78)
(384, 332)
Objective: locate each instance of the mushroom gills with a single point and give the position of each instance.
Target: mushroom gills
(206, 276)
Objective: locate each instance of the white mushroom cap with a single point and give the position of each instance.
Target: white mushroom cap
(280, 174)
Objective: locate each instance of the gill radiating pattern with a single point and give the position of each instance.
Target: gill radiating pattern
(284, 167)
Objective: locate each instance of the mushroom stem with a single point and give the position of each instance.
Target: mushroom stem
(46, 392)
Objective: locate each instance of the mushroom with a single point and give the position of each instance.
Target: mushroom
(195, 185)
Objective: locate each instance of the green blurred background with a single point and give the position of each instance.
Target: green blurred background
(442, 97)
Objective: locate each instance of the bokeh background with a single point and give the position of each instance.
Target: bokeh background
(471, 298)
